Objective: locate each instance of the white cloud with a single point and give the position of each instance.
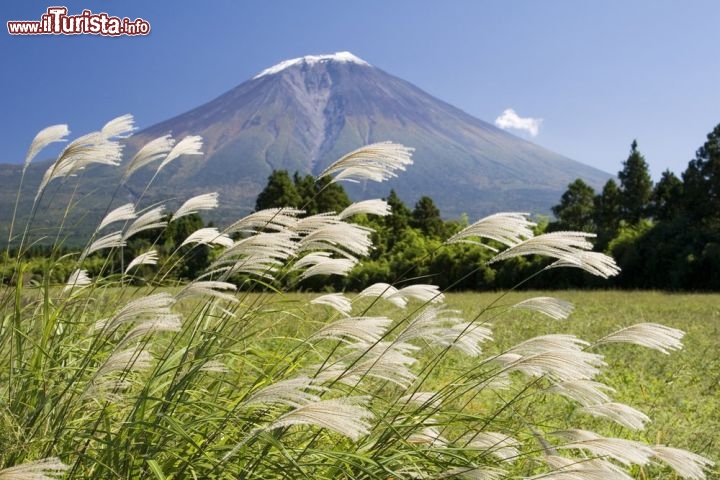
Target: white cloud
(510, 119)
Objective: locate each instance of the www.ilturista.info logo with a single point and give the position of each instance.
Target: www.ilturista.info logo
(57, 22)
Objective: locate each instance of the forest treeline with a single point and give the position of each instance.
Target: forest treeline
(663, 235)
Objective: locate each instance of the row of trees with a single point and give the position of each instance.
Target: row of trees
(664, 235)
(408, 243)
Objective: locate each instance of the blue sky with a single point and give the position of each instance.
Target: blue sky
(598, 74)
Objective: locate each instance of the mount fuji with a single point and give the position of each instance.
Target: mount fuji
(303, 114)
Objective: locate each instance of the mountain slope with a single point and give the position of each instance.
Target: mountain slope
(303, 114)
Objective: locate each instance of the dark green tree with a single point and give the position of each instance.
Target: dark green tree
(667, 197)
(701, 180)
(395, 223)
(305, 187)
(329, 197)
(320, 196)
(635, 187)
(280, 191)
(426, 218)
(607, 211)
(576, 208)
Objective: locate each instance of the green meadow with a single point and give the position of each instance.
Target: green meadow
(680, 391)
(131, 359)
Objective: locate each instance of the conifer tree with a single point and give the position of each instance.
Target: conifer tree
(280, 191)
(701, 180)
(576, 207)
(426, 218)
(667, 197)
(398, 221)
(607, 211)
(635, 187)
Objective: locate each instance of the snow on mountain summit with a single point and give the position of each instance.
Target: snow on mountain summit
(346, 57)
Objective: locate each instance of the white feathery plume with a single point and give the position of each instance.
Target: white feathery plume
(346, 239)
(263, 267)
(620, 413)
(561, 365)
(385, 291)
(44, 469)
(565, 246)
(122, 213)
(321, 264)
(189, 145)
(376, 162)
(148, 307)
(290, 392)
(148, 258)
(429, 436)
(581, 469)
(595, 263)
(338, 301)
(552, 307)
(368, 207)
(161, 323)
(277, 245)
(362, 329)
(78, 278)
(561, 357)
(208, 236)
(550, 343)
(153, 218)
(688, 465)
(509, 228)
(209, 288)
(336, 372)
(46, 136)
(466, 337)
(429, 325)
(277, 219)
(151, 151)
(585, 392)
(650, 335)
(422, 292)
(388, 361)
(431, 399)
(259, 254)
(92, 148)
(627, 452)
(206, 201)
(497, 444)
(120, 127)
(111, 240)
(136, 358)
(311, 259)
(307, 225)
(341, 415)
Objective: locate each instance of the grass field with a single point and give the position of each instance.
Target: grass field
(115, 375)
(680, 392)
